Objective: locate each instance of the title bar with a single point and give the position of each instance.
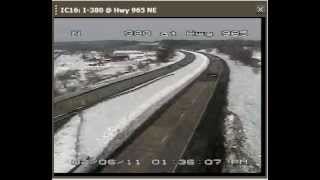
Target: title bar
(159, 9)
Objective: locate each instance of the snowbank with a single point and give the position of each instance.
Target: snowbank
(109, 123)
(256, 55)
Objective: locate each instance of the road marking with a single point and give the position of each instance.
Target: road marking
(213, 75)
(164, 139)
(194, 100)
(181, 116)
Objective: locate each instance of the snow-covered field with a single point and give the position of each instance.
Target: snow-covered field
(244, 101)
(109, 123)
(74, 72)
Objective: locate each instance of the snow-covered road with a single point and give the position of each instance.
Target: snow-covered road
(109, 123)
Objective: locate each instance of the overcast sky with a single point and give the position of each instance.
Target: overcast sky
(113, 28)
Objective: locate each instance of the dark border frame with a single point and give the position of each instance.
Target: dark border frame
(264, 167)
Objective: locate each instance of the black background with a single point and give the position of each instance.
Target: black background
(26, 89)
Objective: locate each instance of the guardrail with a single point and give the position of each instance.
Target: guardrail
(76, 101)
